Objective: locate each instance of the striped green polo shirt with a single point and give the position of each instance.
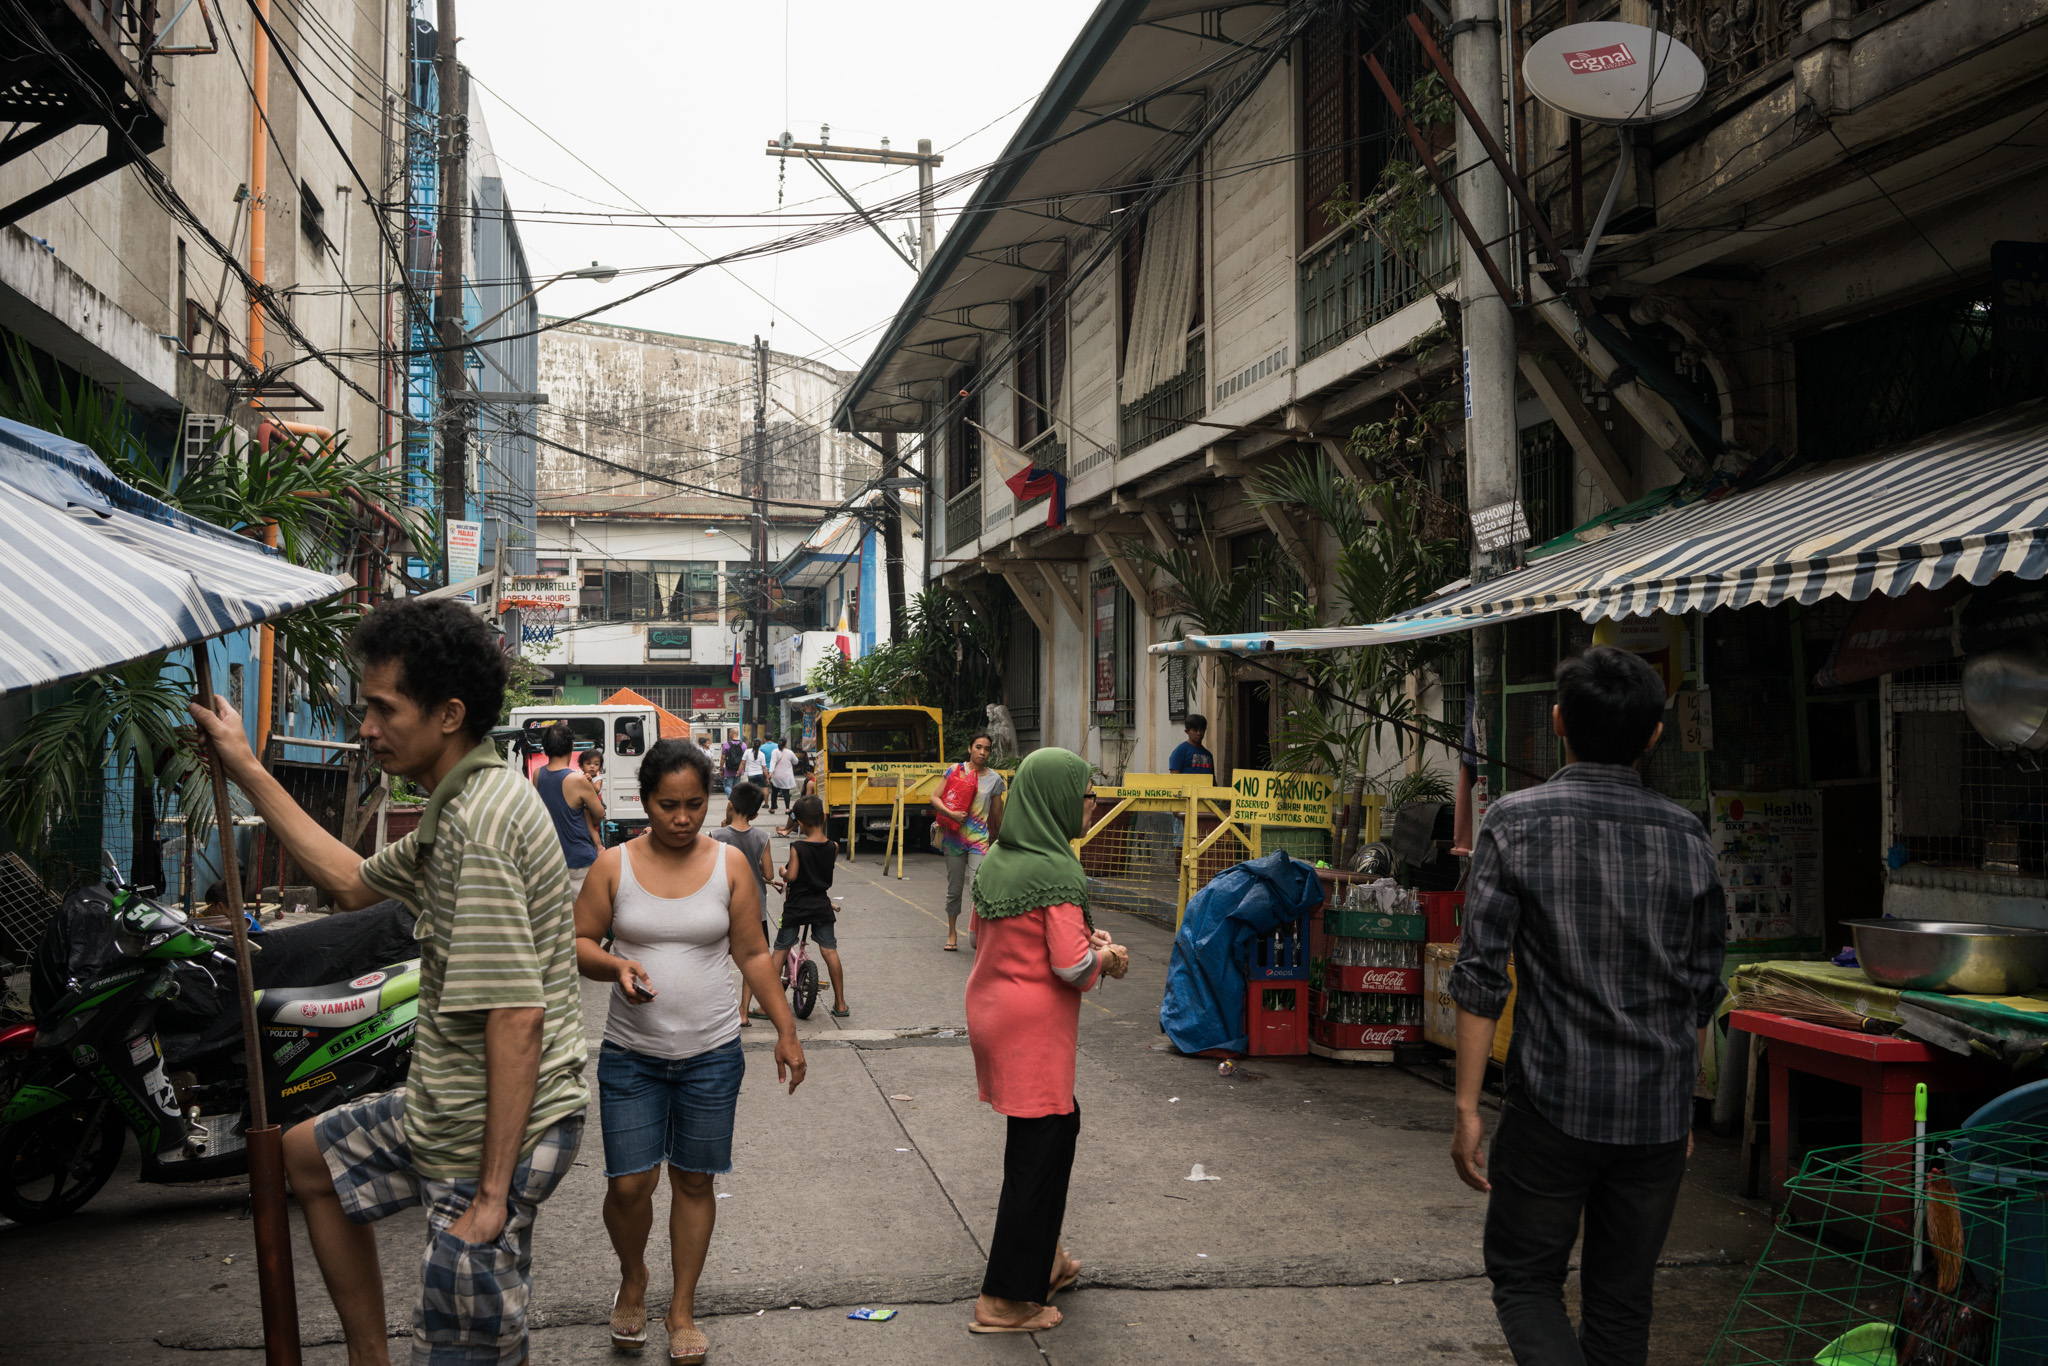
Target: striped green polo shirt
(485, 876)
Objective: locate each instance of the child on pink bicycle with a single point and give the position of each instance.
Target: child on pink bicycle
(807, 904)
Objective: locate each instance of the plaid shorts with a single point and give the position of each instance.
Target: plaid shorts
(473, 1296)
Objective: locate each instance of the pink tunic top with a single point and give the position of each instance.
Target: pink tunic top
(1022, 1016)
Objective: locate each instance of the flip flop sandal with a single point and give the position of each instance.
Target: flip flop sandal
(842, 1014)
(625, 1337)
(977, 1326)
(1062, 1283)
(688, 1348)
(757, 1014)
(952, 948)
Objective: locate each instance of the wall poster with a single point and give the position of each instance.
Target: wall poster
(1767, 847)
(1105, 648)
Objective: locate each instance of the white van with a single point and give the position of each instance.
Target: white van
(622, 734)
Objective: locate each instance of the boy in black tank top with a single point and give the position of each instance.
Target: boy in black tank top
(808, 900)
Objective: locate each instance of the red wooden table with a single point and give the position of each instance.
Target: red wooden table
(1884, 1068)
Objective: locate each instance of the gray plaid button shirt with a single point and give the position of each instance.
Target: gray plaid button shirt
(1608, 896)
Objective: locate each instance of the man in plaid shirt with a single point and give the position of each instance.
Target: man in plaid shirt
(1607, 894)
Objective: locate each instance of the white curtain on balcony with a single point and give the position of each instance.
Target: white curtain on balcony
(1165, 303)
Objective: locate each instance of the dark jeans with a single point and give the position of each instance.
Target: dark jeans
(1544, 1180)
(785, 795)
(1038, 1159)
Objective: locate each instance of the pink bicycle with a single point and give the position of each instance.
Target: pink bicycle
(800, 976)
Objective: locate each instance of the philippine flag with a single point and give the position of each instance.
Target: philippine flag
(1028, 480)
(844, 640)
(736, 669)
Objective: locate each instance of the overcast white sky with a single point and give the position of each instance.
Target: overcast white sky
(675, 102)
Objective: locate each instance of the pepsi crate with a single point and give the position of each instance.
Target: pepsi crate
(1357, 1038)
(1281, 955)
(1390, 981)
(1373, 925)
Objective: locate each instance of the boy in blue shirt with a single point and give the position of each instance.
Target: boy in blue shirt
(1189, 756)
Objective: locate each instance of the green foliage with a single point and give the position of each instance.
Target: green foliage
(130, 718)
(1384, 565)
(1426, 784)
(133, 715)
(949, 656)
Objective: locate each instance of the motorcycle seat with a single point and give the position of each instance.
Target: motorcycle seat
(336, 1005)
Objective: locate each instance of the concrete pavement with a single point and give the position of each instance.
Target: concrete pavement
(1337, 1227)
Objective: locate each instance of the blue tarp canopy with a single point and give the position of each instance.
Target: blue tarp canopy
(95, 573)
(1205, 980)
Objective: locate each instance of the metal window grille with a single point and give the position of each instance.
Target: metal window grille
(963, 517)
(1123, 644)
(1951, 795)
(1547, 468)
(1352, 282)
(1169, 407)
(1905, 373)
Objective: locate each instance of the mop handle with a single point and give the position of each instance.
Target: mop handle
(1919, 1170)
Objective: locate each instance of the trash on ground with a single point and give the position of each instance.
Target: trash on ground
(1197, 1174)
(725, 1195)
(903, 1097)
(873, 1315)
(1203, 1255)
(1173, 1100)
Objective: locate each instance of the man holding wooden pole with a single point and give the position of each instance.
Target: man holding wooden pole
(492, 1112)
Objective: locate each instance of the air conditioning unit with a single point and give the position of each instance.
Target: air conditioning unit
(200, 430)
(668, 642)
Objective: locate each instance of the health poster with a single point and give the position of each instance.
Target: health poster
(1767, 848)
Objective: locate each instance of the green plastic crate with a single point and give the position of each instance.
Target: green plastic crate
(1373, 925)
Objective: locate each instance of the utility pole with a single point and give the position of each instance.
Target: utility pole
(925, 159)
(454, 408)
(892, 539)
(758, 489)
(1489, 340)
(927, 239)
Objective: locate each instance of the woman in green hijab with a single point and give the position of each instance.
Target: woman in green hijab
(1036, 951)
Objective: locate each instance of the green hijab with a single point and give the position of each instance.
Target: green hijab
(1032, 862)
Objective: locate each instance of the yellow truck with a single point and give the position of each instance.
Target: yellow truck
(864, 753)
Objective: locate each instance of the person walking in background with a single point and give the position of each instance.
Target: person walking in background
(677, 908)
(491, 1114)
(1606, 894)
(965, 841)
(752, 770)
(730, 757)
(808, 900)
(1036, 951)
(769, 747)
(1191, 755)
(751, 840)
(782, 776)
(572, 803)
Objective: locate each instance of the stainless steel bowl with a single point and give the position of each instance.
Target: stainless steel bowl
(1951, 956)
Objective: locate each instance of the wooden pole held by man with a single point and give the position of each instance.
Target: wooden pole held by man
(274, 1284)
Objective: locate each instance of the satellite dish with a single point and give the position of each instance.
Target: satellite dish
(1608, 72)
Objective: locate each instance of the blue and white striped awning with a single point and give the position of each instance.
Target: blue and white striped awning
(94, 574)
(1970, 503)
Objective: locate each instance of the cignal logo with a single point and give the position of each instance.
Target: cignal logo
(1599, 59)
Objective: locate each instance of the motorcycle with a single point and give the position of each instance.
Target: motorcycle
(94, 1066)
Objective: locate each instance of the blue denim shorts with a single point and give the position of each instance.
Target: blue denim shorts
(822, 934)
(674, 1110)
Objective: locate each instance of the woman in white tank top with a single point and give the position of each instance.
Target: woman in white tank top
(677, 908)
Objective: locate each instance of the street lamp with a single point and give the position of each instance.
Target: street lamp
(593, 271)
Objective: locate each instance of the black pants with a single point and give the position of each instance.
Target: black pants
(1038, 1159)
(781, 794)
(1544, 1180)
